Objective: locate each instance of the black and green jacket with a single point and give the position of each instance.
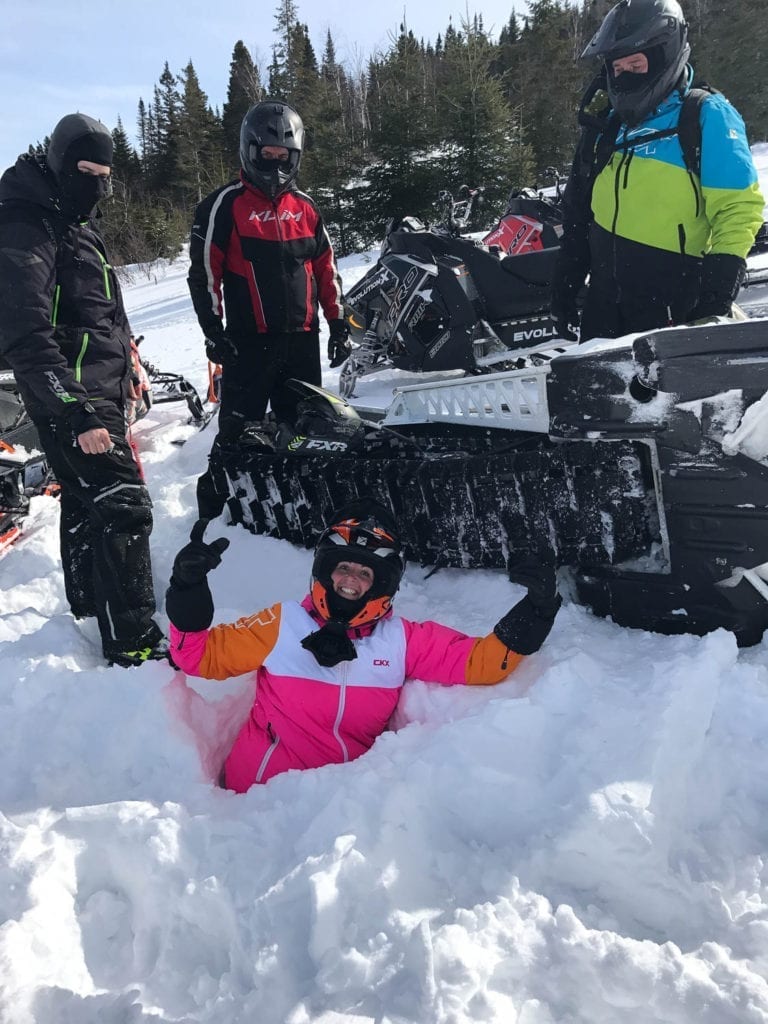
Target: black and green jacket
(63, 327)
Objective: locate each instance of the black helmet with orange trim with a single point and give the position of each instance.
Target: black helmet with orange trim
(363, 531)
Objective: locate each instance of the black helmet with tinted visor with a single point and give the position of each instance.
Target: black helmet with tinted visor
(271, 123)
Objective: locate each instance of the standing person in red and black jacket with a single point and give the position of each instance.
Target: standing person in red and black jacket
(261, 260)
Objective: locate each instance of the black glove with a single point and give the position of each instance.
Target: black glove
(339, 345)
(221, 349)
(721, 277)
(566, 284)
(526, 626)
(188, 601)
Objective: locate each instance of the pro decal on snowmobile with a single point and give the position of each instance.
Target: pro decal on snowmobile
(436, 301)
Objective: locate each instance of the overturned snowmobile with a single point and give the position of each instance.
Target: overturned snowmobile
(642, 464)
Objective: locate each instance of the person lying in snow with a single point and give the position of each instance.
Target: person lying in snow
(330, 668)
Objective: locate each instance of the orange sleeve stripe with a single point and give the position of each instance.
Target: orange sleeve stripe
(241, 646)
(490, 661)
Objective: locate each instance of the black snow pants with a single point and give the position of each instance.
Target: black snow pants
(247, 385)
(106, 520)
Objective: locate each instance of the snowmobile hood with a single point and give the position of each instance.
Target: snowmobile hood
(30, 180)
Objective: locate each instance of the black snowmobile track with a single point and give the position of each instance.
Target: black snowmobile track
(632, 488)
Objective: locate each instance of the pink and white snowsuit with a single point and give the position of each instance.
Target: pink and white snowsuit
(306, 715)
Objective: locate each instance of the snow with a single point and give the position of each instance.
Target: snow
(582, 844)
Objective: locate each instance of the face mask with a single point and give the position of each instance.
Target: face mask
(81, 192)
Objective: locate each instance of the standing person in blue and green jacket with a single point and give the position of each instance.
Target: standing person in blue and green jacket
(662, 204)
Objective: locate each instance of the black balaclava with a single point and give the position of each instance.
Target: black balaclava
(79, 137)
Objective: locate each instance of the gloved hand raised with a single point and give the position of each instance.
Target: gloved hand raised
(537, 573)
(526, 626)
(339, 345)
(196, 559)
(188, 600)
(221, 349)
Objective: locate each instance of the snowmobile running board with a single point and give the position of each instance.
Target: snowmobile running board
(513, 400)
(642, 464)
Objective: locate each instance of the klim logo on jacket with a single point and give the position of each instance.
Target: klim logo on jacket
(266, 215)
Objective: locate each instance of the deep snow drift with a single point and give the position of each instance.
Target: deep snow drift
(583, 844)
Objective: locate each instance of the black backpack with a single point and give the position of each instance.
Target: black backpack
(688, 130)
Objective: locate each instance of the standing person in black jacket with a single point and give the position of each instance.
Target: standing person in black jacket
(65, 334)
(260, 255)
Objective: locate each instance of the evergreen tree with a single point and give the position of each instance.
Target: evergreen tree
(163, 130)
(546, 81)
(302, 95)
(402, 177)
(730, 51)
(126, 166)
(283, 69)
(337, 146)
(477, 126)
(244, 89)
(142, 127)
(199, 144)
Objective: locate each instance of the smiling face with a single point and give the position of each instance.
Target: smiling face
(351, 580)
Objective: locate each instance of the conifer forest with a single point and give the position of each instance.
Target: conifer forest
(386, 136)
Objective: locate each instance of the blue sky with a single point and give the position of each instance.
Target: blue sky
(67, 55)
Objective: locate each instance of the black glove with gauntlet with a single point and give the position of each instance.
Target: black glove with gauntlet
(721, 277)
(339, 346)
(526, 626)
(221, 349)
(188, 600)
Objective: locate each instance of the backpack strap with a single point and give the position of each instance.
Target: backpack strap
(599, 129)
(689, 126)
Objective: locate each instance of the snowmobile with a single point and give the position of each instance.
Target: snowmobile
(532, 219)
(24, 470)
(640, 464)
(458, 215)
(438, 301)
(157, 386)
(531, 222)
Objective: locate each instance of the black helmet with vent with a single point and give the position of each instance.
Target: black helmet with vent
(656, 28)
(271, 123)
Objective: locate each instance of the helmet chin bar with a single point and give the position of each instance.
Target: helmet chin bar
(272, 177)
